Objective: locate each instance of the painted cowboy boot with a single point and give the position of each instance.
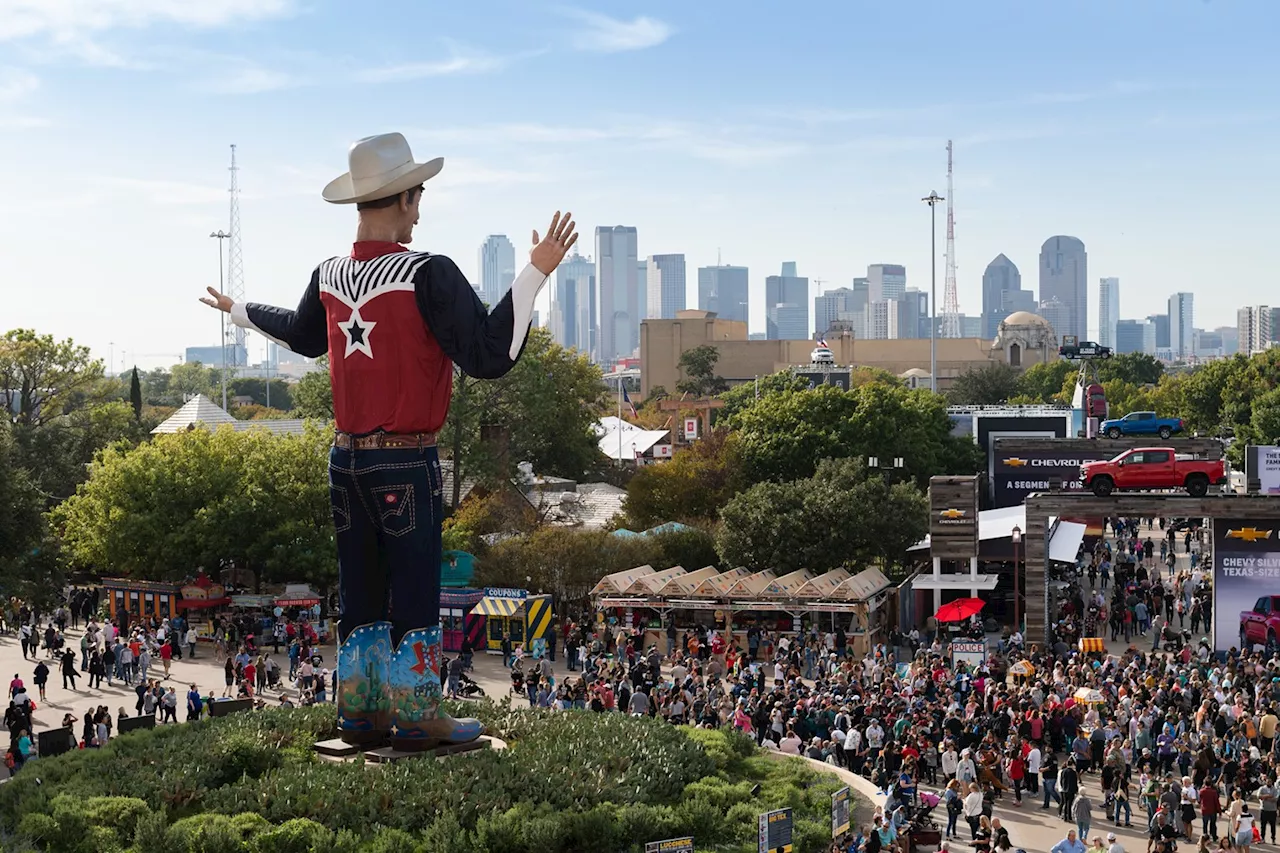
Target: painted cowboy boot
(364, 685)
(415, 689)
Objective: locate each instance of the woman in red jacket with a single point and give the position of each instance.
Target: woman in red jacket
(1017, 774)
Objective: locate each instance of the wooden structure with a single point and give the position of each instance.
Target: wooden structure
(1044, 505)
(701, 407)
(953, 517)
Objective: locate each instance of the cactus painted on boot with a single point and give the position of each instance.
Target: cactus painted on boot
(415, 689)
(364, 684)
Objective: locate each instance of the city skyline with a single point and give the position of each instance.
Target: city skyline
(678, 128)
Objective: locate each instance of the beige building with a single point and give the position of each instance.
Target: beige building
(1023, 340)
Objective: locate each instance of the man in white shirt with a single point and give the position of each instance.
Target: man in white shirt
(1033, 769)
(1113, 845)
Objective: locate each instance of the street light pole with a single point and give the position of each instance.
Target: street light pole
(220, 236)
(932, 200)
(1017, 603)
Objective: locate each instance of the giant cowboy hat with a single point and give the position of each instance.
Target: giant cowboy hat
(380, 166)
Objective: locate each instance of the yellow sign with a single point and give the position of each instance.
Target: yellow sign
(953, 513)
(1249, 534)
(1015, 462)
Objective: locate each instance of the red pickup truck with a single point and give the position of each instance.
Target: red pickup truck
(1260, 626)
(1152, 468)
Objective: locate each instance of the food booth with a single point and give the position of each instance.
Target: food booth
(458, 621)
(130, 601)
(527, 618)
(200, 600)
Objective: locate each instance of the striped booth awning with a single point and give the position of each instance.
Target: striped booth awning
(492, 605)
(1092, 644)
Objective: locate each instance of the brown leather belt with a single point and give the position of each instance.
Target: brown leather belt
(384, 440)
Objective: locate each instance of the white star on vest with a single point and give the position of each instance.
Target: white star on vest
(357, 330)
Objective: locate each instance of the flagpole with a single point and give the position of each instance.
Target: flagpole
(619, 420)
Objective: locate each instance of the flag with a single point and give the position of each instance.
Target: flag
(822, 342)
(626, 398)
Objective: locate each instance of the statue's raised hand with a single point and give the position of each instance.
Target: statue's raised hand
(550, 251)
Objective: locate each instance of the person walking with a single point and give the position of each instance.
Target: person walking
(1244, 829)
(41, 677)
(973, 809)
(1210, 808)
(69, 669)
(1069, 781)
(1070, 844)
(1083, 813)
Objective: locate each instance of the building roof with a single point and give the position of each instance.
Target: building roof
(592, 507)
(620, 581)
(631, 443)
(1024, 318)
(202, 411)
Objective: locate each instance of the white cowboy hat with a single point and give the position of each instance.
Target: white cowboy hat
(381, 166)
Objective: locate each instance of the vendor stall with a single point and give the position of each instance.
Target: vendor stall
(514, 612)
(458, 619)
(131, 601)
(200, 601)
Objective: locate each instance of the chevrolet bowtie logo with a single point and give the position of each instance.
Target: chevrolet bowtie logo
(1015, 462)
(1249, 534)
(953, 513)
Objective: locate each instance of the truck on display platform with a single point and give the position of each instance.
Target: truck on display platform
(1141, 423)
(1075, 349)
(1261, 625)
(1152, 468)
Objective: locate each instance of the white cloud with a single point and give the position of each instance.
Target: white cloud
(603, 34)
(13, 122)
(461, 60)
(165, 193)
(16, 84)
(244, 77)
(517, 133)
(26, 18)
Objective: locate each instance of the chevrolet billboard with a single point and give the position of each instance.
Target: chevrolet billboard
(1017, 475)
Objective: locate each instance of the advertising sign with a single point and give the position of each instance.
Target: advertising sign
(775, 831)
(1246, 557)
(968, 652)
(838, 378)
(953, 517)
(1267, 469)
(1017, 475)
(840, 813)
(690, 428)
(671, 845)
(504, 592)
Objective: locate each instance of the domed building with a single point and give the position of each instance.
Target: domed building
(1024, 339)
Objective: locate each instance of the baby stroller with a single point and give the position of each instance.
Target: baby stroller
(468, 688)
(517, 681)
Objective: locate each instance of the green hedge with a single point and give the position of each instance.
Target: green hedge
(569, 782)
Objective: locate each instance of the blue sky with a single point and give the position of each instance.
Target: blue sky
(1147, 129)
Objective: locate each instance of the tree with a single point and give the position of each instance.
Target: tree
(1049, 382)
(690, 488)
(985, 386)
(784, 436)
(135, 393)
(1136, 368)
(255, 412)
(313, 394)
(41, 379)
(838, 517)
(280, 396)
(200, 500)
(21, 505)
(699, 368)
(745, 395)
(191, 378)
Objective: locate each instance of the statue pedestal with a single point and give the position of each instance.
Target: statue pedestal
(339, 750)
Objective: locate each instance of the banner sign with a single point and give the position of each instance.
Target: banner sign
(840, 813)
(969, 652)
(775, 831)
(1246, 558)
(1267, 468)
(953, 517)
(503, 592)
(1018, 475)
(690, 428)
(671, 845)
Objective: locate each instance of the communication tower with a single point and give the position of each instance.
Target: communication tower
(950, 299)
(236, 348)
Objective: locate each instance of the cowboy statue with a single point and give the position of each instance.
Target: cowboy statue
(394, 323)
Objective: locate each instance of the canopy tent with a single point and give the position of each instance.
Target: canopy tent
(863, 586)
(752, 585)
(823, 585)
(685, 584)
(719, 585)
(650, 584)
(617, 582)
(495, 605)
(787, 585)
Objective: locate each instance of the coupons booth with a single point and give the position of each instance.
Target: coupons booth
(525, 618)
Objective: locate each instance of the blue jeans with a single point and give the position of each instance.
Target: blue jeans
(1051, 791)
(1128, 811)
(387, 511)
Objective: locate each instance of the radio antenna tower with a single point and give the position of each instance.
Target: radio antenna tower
(950, 299)
(235, 269)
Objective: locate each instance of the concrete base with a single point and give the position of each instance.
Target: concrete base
(336, 748)
(390, 755)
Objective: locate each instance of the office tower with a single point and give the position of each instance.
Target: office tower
(1057, 314)
(886, 281)
(913, 315)
(1108, 310)
(620, 298)
(497, 268)
(1000, 278)
(1064, 277)
(1256, 331)
(665, 286)
(572, 320)
(1208, 343)
(1181, 325)
(1161, 324)
(832, 306)
(1135, 336)
(882, 319)
(1230, 337)
(723, 290)
(789, 290)
(972, 327)
(788, 269)
(792, 321)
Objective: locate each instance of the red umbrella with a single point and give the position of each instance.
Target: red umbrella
(959, 610)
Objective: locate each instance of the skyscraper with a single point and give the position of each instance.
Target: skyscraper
(1181, 325)
(1161, 324)
(1064, 277)
(1108, 310)
(1057, 314)
(572, 318)
(620, 300)
(1254, 323)
(497, 268)
(1135, 336)
(665, 286)
(723, 289)
(791, 290)
(831, 306)
(886, 281)
(1000, 279)
(913, 314)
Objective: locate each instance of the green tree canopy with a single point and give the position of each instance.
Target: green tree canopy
(42, 379)
(985, 386)
(690, 488)
(313, 394)
(699, 368)
(21, 522)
